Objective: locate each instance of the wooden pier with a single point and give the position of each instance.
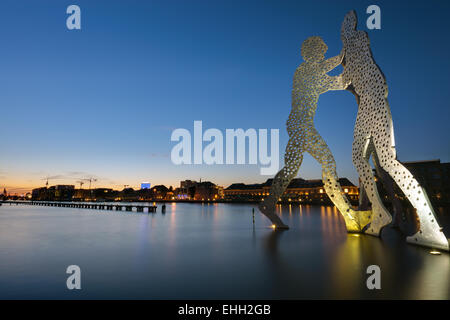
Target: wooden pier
(89, 205)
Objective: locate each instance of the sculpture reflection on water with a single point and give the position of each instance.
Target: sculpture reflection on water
(373, 136)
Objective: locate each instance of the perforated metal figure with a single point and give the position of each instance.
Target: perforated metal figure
(374, 134)
(310, 81)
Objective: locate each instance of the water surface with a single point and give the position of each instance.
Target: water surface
(209, 251)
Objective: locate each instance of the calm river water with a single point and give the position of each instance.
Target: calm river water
(209, 251)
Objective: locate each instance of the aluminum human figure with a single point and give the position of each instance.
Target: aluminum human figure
(374, 134)
(310, 81)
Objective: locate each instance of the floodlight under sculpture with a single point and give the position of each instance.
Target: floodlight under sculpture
(310, 81)
(374, 135)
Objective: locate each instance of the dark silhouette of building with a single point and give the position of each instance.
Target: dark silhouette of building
(159, 192)
(54, 193)
(40, 194)
(198, 191)
(432, 175)
(186, 191)
(207, 191)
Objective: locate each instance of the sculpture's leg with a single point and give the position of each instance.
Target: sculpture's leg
(388, 184)
(317, 147)
(293, 159)
(362, 148)
(364, 203)
(430, 233)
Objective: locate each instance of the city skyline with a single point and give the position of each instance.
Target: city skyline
(102, 102)
(85, 186)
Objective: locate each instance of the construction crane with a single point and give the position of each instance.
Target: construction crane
(87, 179)
(90, 181)
(81, 183)
(46, 183)
(90, 184)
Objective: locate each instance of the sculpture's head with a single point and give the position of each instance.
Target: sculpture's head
(313, 49)
(349, 23)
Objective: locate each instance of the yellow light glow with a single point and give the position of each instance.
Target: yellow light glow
(435, 252)
(273, 226)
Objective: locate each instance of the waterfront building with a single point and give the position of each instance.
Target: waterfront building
(54, 193)
(199, 191)
(186, 191)
(159, 192)
(40, 194)
(432, 175)
(299, 190)
(208, 191)
(186, 184)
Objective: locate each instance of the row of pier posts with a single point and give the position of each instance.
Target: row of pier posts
(101, 206)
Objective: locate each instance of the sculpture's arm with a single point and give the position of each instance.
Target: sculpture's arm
(336, 83)
(332, 63)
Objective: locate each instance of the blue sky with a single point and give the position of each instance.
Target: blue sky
(103, 101)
